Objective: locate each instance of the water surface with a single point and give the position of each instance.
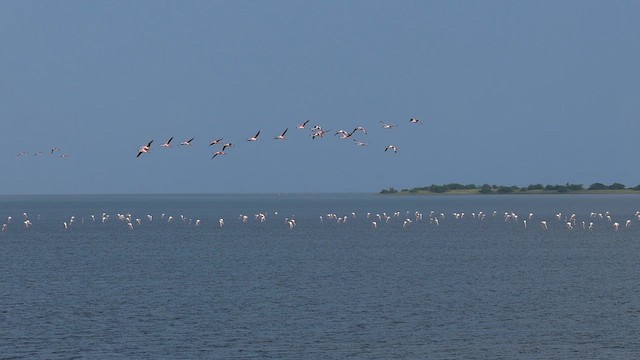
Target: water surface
(466, 288)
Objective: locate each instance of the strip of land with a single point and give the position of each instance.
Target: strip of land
(472, 189)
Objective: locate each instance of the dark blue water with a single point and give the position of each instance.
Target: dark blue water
(466, 288)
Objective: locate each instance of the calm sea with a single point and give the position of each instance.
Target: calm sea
(478, 285)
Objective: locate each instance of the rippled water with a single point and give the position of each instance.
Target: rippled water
(467, 288)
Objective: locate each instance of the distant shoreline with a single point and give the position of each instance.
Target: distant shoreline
(526, 192)
(533, 189)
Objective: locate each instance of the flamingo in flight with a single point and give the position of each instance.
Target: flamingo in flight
(168, 143)
(388, 126)
(415, 121)
(301, 126)
(218, 153)
(281, 136)
(216, 141)
(254, 137)
(392, 147)
(144, 149)
(318, 132)
(188, 142)
(344, 134)
(227, 145)
(361, 129)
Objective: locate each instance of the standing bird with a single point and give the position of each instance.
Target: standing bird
(392, 147)
(168, 143)
(142, 149)
(281, 136)
(255, 137)
(188, 142)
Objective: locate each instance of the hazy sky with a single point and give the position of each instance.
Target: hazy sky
(510, 93)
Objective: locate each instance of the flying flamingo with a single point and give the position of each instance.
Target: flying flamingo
(281, 136)
(141, 150)
(216, 141)
(361, 129)
(218, 153)
(388, 126)
(168, 143)
(255, 137)
(344, 134)
(318, 132)
(187, 143)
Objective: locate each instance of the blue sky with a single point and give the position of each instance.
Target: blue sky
(510, 92)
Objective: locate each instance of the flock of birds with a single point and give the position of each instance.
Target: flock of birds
(54, 151)
(405, 219)
(317, 131)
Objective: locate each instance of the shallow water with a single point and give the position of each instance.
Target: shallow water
(466, 288)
